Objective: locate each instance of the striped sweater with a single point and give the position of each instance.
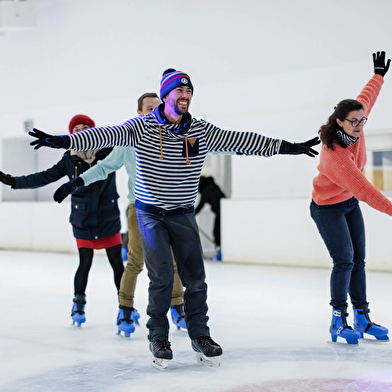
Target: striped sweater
(168, 164)
(341, 170)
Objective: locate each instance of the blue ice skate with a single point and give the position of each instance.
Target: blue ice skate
(135, 316)
(363, 324)
(124, 253)
(124, 321)
(178, 316)
(218, 255)
(77, 314)
(340, 328)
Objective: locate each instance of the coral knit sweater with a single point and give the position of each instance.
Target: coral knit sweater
(341, 170)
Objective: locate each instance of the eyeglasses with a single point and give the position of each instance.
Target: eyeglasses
(355, 123)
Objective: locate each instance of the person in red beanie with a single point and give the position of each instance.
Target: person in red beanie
(95, 216)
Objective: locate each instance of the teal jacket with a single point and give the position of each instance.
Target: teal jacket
(115, 160)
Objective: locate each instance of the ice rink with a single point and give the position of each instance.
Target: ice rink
(272, 323)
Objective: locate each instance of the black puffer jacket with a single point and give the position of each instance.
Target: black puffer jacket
(95, 212)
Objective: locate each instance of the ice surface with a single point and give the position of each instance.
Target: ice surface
(272, 323)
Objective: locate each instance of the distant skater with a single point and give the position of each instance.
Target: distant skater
(211, 194)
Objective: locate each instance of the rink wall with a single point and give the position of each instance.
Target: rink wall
(36, 226)
(281, 232)
(268, 231)
(42, 226)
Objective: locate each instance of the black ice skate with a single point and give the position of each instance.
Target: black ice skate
(162, 353)
(207, 351)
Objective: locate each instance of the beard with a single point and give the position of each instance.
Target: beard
(179, 111)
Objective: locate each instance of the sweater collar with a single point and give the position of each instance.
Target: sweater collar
(346, 139)
(178, 129)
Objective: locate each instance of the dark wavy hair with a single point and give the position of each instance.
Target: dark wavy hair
(328, 131)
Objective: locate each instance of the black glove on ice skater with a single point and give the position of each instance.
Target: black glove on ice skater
(44, 139)
(67, 188)
(379, 63)
(300, 148)
(7, 179)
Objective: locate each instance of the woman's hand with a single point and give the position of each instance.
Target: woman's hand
(380, 68)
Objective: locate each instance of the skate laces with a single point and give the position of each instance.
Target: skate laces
(205, 341)
(160, 344)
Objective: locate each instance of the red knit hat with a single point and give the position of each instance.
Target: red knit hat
(80, 119)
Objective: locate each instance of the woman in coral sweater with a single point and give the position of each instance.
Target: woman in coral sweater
(335, 208)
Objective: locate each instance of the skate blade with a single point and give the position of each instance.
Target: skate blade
(208, 361)
(374, 340)
(343, 343)
(160, 363)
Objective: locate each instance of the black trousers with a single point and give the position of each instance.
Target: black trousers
(161, 232)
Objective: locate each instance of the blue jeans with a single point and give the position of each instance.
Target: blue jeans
(163, 232)
(342, 229)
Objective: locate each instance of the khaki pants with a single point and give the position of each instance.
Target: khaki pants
(135, 265)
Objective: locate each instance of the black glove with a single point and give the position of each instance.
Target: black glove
(43, 139)
(7, 179)
(67, 188)
(300, 148)
(379, 63)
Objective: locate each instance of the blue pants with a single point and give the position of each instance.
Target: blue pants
(342, 229)
(161, 232)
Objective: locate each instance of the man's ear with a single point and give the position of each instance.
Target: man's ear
(139, 112)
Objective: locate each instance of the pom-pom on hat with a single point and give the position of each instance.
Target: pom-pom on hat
(80, 119)
(172, 79)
